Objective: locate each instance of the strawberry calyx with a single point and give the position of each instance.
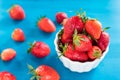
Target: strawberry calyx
(60, 34)
(77, 38)
(40, 18)
(34, 73)
(64, 48)
(96, 54)
(106, 28)
(82, 14)
(31, 46)
(11, 7)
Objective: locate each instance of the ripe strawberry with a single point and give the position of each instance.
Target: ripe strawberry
(94, 28)
(7, 76)
(103, 41)
(94, 53)
(44, 72)
(65, 38)
(69, 52)
(60, 16)
(46, 25)
(64, 21)
(18, 35)
(39, 49)
(8, 54)
(73, 23)
(16, 12)
(81, 42)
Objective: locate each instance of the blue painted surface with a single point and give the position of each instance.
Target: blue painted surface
(106, 11)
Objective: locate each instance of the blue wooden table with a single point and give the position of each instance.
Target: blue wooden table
(106, 11)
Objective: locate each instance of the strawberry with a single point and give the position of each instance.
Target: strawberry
(46, 25)
(7, 76)
(18, 35)
(71, 53)
(60, 16)
(94, 28)
(103, 41)
(64, 21)
(94, 53)
(8, 54)
(81, 42)
(16, 12)
(65, 38)
(44, 72)
(73, 23)
(39, 49)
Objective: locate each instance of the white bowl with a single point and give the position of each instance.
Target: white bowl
(76, 66)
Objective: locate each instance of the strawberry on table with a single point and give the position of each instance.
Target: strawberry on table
(45, 24)
(18, 35)
(81, 42)
(8, 54)
(16, 12)
(7, 76)
(103, 41)
(94, 53)
(39, 49)
(44, 72)
(94, 28)
(60, 16)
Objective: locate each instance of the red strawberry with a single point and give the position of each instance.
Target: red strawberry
(64, 21)
(103, 41)
(18, 35)
(44, 72)
(39, 49)
(81, 42)
(73, 23)
(74, 55)
(65, 38)
(95, 52)
(7, 76)
(46, 25)
(16, 12)
(60, 16)
(94, 28)
(8, 54)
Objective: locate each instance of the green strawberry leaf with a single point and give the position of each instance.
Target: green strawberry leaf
(33, 72)
(32, 78)
(97, 54)
(77, 38)
(60, 34)
(65, 47)
(106, 28)
(82, 14)
(31, 46)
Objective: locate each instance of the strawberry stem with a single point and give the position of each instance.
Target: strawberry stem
(33, 72)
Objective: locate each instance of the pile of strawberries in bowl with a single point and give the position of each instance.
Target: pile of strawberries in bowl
(82, 43)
